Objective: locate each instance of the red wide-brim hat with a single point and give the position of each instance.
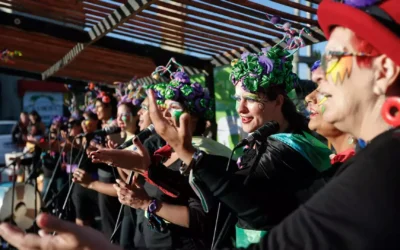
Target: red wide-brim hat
(385, 38)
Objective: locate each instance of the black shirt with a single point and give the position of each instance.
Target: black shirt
(199, 233)
(358, 209)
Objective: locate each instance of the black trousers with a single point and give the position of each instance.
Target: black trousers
(127, 232)
(109, 208)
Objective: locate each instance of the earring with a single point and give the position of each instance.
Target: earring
(390, 111)
(350, 140)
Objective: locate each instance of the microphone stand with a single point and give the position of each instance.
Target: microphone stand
(33, 178)
(56, 195)
(228, 221)
(53, 174)
(121, 209)
(72, 184)
(14, 163)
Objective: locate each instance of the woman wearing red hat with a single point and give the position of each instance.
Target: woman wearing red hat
(358, 208)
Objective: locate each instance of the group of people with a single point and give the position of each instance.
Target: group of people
(287, 190)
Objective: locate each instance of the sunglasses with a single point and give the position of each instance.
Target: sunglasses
(331, 59)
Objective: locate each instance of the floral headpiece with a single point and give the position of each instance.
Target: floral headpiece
(58, 119)
(271, 67)
(90, 98)
(359, 3)
(193, 96)
(73, 105)
(292, 37)
(316, 65)
(92, 93)
(7, 55)
(130, 92)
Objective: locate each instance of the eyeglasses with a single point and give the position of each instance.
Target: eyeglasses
(331, 59)
(144, 107)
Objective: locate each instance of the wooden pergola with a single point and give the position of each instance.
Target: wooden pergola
(65, 40)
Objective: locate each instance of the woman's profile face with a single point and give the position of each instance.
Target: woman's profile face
(32, 118)
(254, 110)
(125, 119)
(171, 110)
(316, 109)
(24, 118)
(144, 116)
(75, 130)
(348, 89)
(103, 112)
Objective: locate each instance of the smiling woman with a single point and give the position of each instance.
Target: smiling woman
(291, 161)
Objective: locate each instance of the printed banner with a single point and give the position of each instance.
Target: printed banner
(47, 104)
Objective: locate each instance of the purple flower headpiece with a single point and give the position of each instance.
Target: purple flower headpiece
(90, 109)
(59, 119)
(92, 92)
(130, 92)
(76, 116)
(316, 65)
(73, 105)
(359, 3)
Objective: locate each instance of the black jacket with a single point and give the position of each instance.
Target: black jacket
(358, 209)
(283, 179)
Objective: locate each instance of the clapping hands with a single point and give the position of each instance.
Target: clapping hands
(138, 160)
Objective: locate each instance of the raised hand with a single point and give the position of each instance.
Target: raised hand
(179, 137)
(138, 160)
(69, 236)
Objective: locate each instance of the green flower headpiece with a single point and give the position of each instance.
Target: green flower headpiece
(192, 96)
(271, 67)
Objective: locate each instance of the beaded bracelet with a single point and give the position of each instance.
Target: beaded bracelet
(155, 223)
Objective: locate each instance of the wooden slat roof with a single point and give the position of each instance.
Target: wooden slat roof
(214, 30)
(94, 64)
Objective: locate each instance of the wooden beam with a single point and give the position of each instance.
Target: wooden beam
(297, 6)
(271, 11)
(194, 29)
(202, 21)
(176, 30)
(119, 16)
(230, 15)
